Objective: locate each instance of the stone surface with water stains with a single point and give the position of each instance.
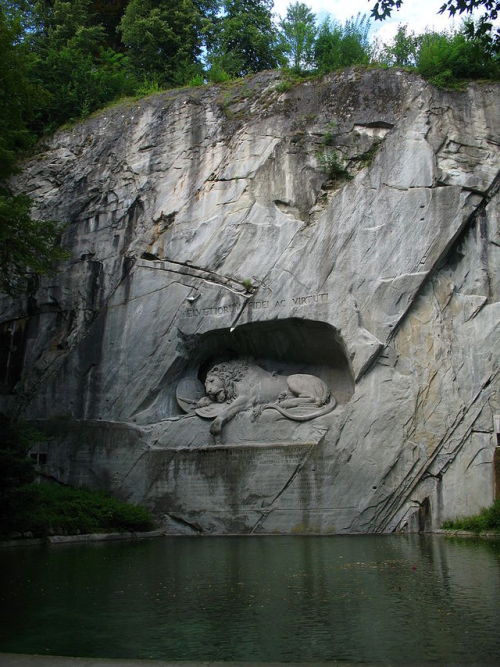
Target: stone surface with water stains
(202, 225)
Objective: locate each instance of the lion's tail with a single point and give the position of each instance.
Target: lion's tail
(303, 418)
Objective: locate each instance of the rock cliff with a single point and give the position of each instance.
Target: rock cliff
(344, 228)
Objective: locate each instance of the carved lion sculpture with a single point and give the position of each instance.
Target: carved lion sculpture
(240, 385)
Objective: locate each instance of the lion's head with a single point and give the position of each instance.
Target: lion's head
(220, 383)
(216, 388)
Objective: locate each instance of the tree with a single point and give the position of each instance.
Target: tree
(109, 13)
(298, 34)
(384, 8)
(26, 246)
(244, 39)
(70, 60)
(403, 50)
(16, 95)
(341, 45)
(163, 39)
(16, 469)
(446, 58)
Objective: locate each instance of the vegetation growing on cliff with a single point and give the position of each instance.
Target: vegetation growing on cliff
(446, 59)
(60, 60)
(26, 245)
(71, 57)
(487, 520)
(53, 509)
(331, 163)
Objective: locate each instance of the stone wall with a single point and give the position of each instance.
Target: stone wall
(204, 227)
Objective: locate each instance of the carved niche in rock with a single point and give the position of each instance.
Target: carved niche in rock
(235, 386)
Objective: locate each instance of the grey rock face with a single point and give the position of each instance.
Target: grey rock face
(204, 229)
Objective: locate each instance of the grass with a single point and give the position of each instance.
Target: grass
(487, 520)
(292, 78)
(51, 509)
(284, 86)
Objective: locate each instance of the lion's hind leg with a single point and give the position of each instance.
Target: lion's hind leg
(297, 401)
(303, 385)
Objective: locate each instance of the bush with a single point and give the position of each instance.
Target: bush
(196, 80)
(284, 86)
(27, 246)
(76, 83)
(402, 51)
(16, 468)
(487, 519)
(49, 509)
(341, 45)
(330, 163)
(448, 58)
(148, 86)
(217, 73)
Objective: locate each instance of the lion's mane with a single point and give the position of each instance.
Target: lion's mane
(230, 372)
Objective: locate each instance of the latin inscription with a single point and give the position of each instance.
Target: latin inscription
(215, 310)
(262, 304)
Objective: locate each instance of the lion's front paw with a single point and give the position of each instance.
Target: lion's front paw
(257, 411)
(204, 401)
(216, 426)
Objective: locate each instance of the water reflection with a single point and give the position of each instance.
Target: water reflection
(268, 598)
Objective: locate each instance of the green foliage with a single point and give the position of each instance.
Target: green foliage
(70, 60)
(109, 14)
(196, 80)
(51, 509)
(162, 38)
(16, 469)
(217, 73)
(244, 39)
(487, 520)
(148, 86)
(247, 284)
(292, 78)
(341, 45)
(16, 95)
(298, 35)
(62, 59)
(402, 52)
(331, 163)
(447, 58)
(44, 509)
(366, 158)
(329, 136)
(27, 246)
(284, 86)
(79, 82)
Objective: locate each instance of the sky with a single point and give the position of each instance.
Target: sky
(418, 14)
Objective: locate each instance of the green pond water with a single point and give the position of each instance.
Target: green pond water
(366, 598)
